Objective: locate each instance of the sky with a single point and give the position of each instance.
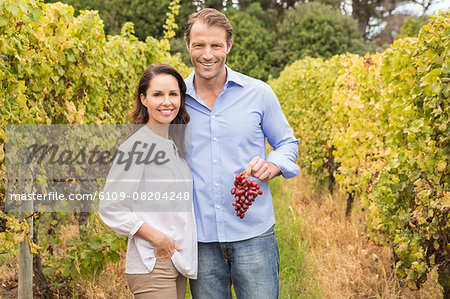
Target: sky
(415, 9)
(411, 9)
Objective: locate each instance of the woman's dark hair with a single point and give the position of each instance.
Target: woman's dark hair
(139, 116)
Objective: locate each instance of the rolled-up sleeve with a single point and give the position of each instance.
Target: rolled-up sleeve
(280, 136)
(115, 209)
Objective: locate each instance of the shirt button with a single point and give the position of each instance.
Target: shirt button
(215, 161)
(218, 206)
(213, 116)
(215, 139)
(217, 185)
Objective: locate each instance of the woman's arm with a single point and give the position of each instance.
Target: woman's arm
(116, 212)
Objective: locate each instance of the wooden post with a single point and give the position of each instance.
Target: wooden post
(25, 256)
(26, 267)
(25, 271)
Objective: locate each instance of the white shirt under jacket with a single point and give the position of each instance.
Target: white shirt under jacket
(170, 214)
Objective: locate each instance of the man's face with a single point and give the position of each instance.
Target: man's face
(208, 49)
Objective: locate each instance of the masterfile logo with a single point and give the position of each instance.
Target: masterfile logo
(64, 168)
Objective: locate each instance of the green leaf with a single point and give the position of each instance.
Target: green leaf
(431, 76)
(95, 243)
(86, 255)
(13, 9)
(4, 20)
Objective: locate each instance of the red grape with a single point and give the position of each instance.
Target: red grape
(245, 192)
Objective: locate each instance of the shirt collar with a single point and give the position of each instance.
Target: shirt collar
(232, 77)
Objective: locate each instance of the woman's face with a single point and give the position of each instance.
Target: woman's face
(163, 99)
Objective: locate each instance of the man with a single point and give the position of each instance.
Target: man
(231, 115)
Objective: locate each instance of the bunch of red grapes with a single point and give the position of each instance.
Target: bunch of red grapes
(245, 192)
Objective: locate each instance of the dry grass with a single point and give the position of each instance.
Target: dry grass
(347, 264)
(9, 274)
(112, 283)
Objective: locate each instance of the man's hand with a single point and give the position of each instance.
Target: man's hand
(262, 170)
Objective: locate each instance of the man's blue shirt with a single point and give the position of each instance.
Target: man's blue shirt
(224, 140)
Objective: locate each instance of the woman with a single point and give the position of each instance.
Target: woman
(149, 190)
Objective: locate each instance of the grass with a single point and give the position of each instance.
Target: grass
(341, 261)
(295, 265)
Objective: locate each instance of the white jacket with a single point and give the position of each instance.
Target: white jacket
(159, 195)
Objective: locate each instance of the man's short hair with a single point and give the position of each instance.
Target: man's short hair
(211, 17)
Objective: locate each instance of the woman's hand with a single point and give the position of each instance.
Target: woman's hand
(164, 246)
